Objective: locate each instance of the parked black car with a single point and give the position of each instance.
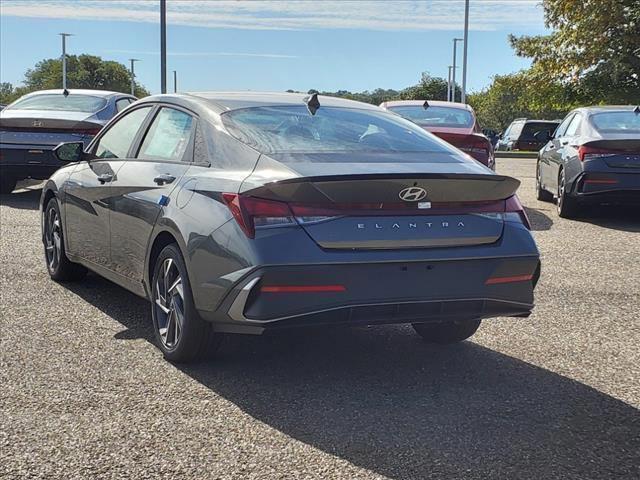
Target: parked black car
(34, 124)
(594, 157)
(521, 134)
(246, 212)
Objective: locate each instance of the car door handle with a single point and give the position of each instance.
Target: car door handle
(564, 142)
(164, 178)
(105, 177)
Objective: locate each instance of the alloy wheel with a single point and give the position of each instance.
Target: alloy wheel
(53, 239)
(169, 304)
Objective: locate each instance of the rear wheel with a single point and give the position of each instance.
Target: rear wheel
(60, 268)
(567, 207)
(541, 193)
(180, 332)
(450, 332)
(7, 183)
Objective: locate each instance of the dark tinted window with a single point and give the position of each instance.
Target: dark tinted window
(435, 116)
(70, 103)
(116, 142)
(617, 122)
(293, 129)
(531, 128)
(168, 136)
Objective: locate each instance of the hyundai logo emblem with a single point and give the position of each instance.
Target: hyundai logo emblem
(412, 194)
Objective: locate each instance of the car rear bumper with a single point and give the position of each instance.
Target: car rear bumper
(608, 187)
(378, 293)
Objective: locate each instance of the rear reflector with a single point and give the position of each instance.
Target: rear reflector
(600, 181)
(302, 288)
(515, 278)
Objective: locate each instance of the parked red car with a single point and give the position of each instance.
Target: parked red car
(453, 122)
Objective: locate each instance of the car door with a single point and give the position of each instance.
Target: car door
(88, 193)
(564, 148)
(550, 155)
(144, 185)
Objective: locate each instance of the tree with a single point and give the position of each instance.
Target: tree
(83, 71)
(429, 88)
(594, 49)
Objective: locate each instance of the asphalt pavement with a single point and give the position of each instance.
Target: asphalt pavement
(85, 394)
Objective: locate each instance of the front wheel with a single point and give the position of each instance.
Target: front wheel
(60, 268)
(450, 332)
(180, 332)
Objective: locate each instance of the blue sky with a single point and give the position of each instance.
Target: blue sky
(272, 45)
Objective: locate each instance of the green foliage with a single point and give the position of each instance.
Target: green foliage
(83, 71)
(594, 49)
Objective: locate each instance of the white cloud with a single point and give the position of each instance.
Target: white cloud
(293, 15)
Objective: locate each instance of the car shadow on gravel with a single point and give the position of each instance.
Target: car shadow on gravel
(382, 399)
(540, 221)
(623, 218)
(27, 198)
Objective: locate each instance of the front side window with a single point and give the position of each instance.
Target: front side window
(435, 116)
(116, 142)
(168, 136)
(58, 102)
(292, 129)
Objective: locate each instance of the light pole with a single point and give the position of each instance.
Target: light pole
(133, 76)
(449, 84)
(464, 56)
(64, 59)
(163, 46)
(453, 75)
(175, 81)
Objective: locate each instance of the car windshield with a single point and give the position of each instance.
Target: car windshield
(617, 122)
(435, 116)
(287, 129)
(58, 102)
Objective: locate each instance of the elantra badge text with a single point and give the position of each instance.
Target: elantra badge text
(377, 226)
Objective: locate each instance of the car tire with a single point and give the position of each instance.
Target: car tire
(566, 205)
(449, 332)
(541, 193)
(60, 268)
(180, 333)
(7, 184)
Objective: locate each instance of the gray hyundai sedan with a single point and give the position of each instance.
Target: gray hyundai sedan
(249, 212)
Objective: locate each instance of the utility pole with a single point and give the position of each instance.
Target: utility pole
(449, 84)
(464, 56)
(163, 46)
(133, 76)
(64, 59)
(453, 75)
(175, 81)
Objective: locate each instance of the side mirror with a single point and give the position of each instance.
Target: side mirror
(69, 152)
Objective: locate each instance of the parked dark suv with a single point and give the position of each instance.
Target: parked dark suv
(520, 135)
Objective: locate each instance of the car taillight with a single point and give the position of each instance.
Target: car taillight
(514, 207)
(588, 153)
(252, 212)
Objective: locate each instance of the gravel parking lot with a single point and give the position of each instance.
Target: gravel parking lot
(85, 394)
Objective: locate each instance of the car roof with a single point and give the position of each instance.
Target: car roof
(435, 103)
(225, 101)
(605, 108)
(77, 91)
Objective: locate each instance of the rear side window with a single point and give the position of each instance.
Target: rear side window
(292, 129)
(168, 137)
(435, 116)
(617, 122)
(70, 103)
(116, 142)
(573, 127)
(122, 104)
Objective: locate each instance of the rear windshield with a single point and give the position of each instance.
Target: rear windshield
(531, 128)
(288, 129)
(617, 122)
(435, 116)
(58, 102)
